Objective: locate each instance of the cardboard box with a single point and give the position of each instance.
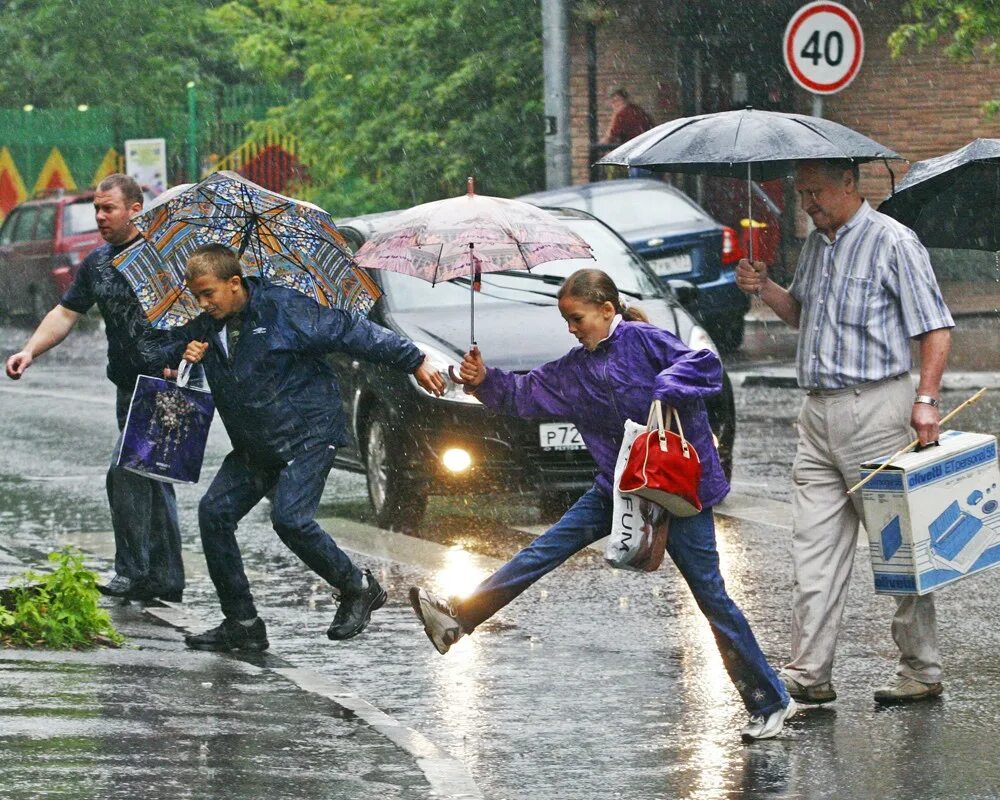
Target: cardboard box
(933, 517)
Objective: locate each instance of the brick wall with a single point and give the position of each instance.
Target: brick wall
(921, 104)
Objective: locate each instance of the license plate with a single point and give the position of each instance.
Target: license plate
(559, 436)
(671, 265)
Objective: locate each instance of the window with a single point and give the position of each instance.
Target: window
(24, 225)
(79, 218)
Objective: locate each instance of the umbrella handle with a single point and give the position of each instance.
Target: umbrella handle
(454, 375)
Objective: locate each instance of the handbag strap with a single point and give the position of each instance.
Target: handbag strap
(184, 373)
(656, 416)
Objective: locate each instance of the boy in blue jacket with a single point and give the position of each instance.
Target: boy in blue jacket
(263, 348)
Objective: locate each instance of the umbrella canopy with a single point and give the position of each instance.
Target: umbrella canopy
(750, 143)
(282, 240)
(953, 200)
(450, 238)
(469, 235)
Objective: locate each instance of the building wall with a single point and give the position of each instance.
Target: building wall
(921, 104)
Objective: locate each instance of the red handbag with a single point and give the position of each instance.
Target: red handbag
(663, 467)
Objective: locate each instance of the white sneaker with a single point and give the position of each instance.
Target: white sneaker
(761, 727)
(440, 623)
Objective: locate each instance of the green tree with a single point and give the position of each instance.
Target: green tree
(109, 52)
(971, 29)
(403, 98)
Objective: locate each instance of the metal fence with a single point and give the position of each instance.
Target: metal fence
(74, 147)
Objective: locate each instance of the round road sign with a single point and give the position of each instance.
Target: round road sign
(823, 47)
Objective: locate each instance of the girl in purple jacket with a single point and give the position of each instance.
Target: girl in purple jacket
(620, 367)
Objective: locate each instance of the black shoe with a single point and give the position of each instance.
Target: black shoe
(355, 609)
(231, 635)
(118, 586)
(146, 593)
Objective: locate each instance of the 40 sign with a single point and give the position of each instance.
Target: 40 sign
(823, 47)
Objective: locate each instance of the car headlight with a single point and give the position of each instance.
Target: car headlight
(700, 340)
(439, 361)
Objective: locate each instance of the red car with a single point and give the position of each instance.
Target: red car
(42, 243)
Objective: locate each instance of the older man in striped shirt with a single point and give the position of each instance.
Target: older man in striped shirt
(863, 289)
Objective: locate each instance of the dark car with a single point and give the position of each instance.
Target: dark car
(411, 444)
(678, 239)
(42, 243)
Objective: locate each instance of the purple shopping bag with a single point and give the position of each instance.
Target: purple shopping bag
(166, 430)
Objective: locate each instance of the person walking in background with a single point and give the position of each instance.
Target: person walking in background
(628, 119)
(143, 511)
(620, 367)
(263, 349)
(862, 290)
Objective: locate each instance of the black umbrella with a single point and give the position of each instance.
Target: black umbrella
(953, 200)
(759, 145)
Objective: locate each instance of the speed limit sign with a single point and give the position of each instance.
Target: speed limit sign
(823, 47)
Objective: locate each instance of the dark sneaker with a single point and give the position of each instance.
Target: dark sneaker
(145, 593)
(355, 609)
(440, 622)
(906, 690)
(761, 727)
(808, 695)
(118, 586)
(231, 635)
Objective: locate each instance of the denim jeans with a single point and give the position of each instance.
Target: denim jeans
(295, 490)
(144, 520)
(691, 545)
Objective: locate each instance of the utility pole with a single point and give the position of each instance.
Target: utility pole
(194, 173)
(555, 65)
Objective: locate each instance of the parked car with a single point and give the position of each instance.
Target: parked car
(678, 239)
(42, 244)
(411, 444)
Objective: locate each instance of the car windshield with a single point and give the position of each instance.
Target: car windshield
(406, 293)
(637, 209)
(79, 218)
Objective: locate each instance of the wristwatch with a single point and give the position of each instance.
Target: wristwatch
(926, 398)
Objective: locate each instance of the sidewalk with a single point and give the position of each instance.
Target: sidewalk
(154, 720)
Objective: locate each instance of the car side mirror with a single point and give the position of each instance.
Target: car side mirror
(685, 291)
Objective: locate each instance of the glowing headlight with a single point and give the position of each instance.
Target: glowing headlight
(456, 459)
(440, 362)
(700, 340)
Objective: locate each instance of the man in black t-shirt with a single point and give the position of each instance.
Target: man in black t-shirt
(143, 511)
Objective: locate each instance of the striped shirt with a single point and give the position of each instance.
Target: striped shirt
(863, 296)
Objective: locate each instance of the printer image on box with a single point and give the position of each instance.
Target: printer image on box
(933, 516)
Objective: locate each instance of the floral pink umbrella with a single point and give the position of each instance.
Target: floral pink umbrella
(470, 235)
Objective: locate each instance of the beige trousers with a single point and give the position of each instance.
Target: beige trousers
(836, 434)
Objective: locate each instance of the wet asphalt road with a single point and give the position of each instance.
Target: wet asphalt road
(595, 683)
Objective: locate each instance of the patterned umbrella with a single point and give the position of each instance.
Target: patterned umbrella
(282, 240)
(470, 235)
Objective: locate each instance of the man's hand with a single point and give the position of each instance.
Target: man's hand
(925, 420)
(751, 277)
(195, 351)
(472, 369)
(18, 363)
(430, 379)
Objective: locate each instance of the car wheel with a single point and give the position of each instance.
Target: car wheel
(727, 333)
(399, 502)
(39, 307)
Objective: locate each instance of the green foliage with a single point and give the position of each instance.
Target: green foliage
(109, 52)
(970, 29)
(403, 98)
(56, 609)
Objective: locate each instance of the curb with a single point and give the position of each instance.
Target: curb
(448, 777)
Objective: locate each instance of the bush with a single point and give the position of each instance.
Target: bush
(57, 609)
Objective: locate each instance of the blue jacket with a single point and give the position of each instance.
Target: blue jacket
(279, 396)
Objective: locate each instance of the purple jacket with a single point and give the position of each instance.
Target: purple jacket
(597, 391)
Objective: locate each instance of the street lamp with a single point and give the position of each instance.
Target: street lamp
(192, 133)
